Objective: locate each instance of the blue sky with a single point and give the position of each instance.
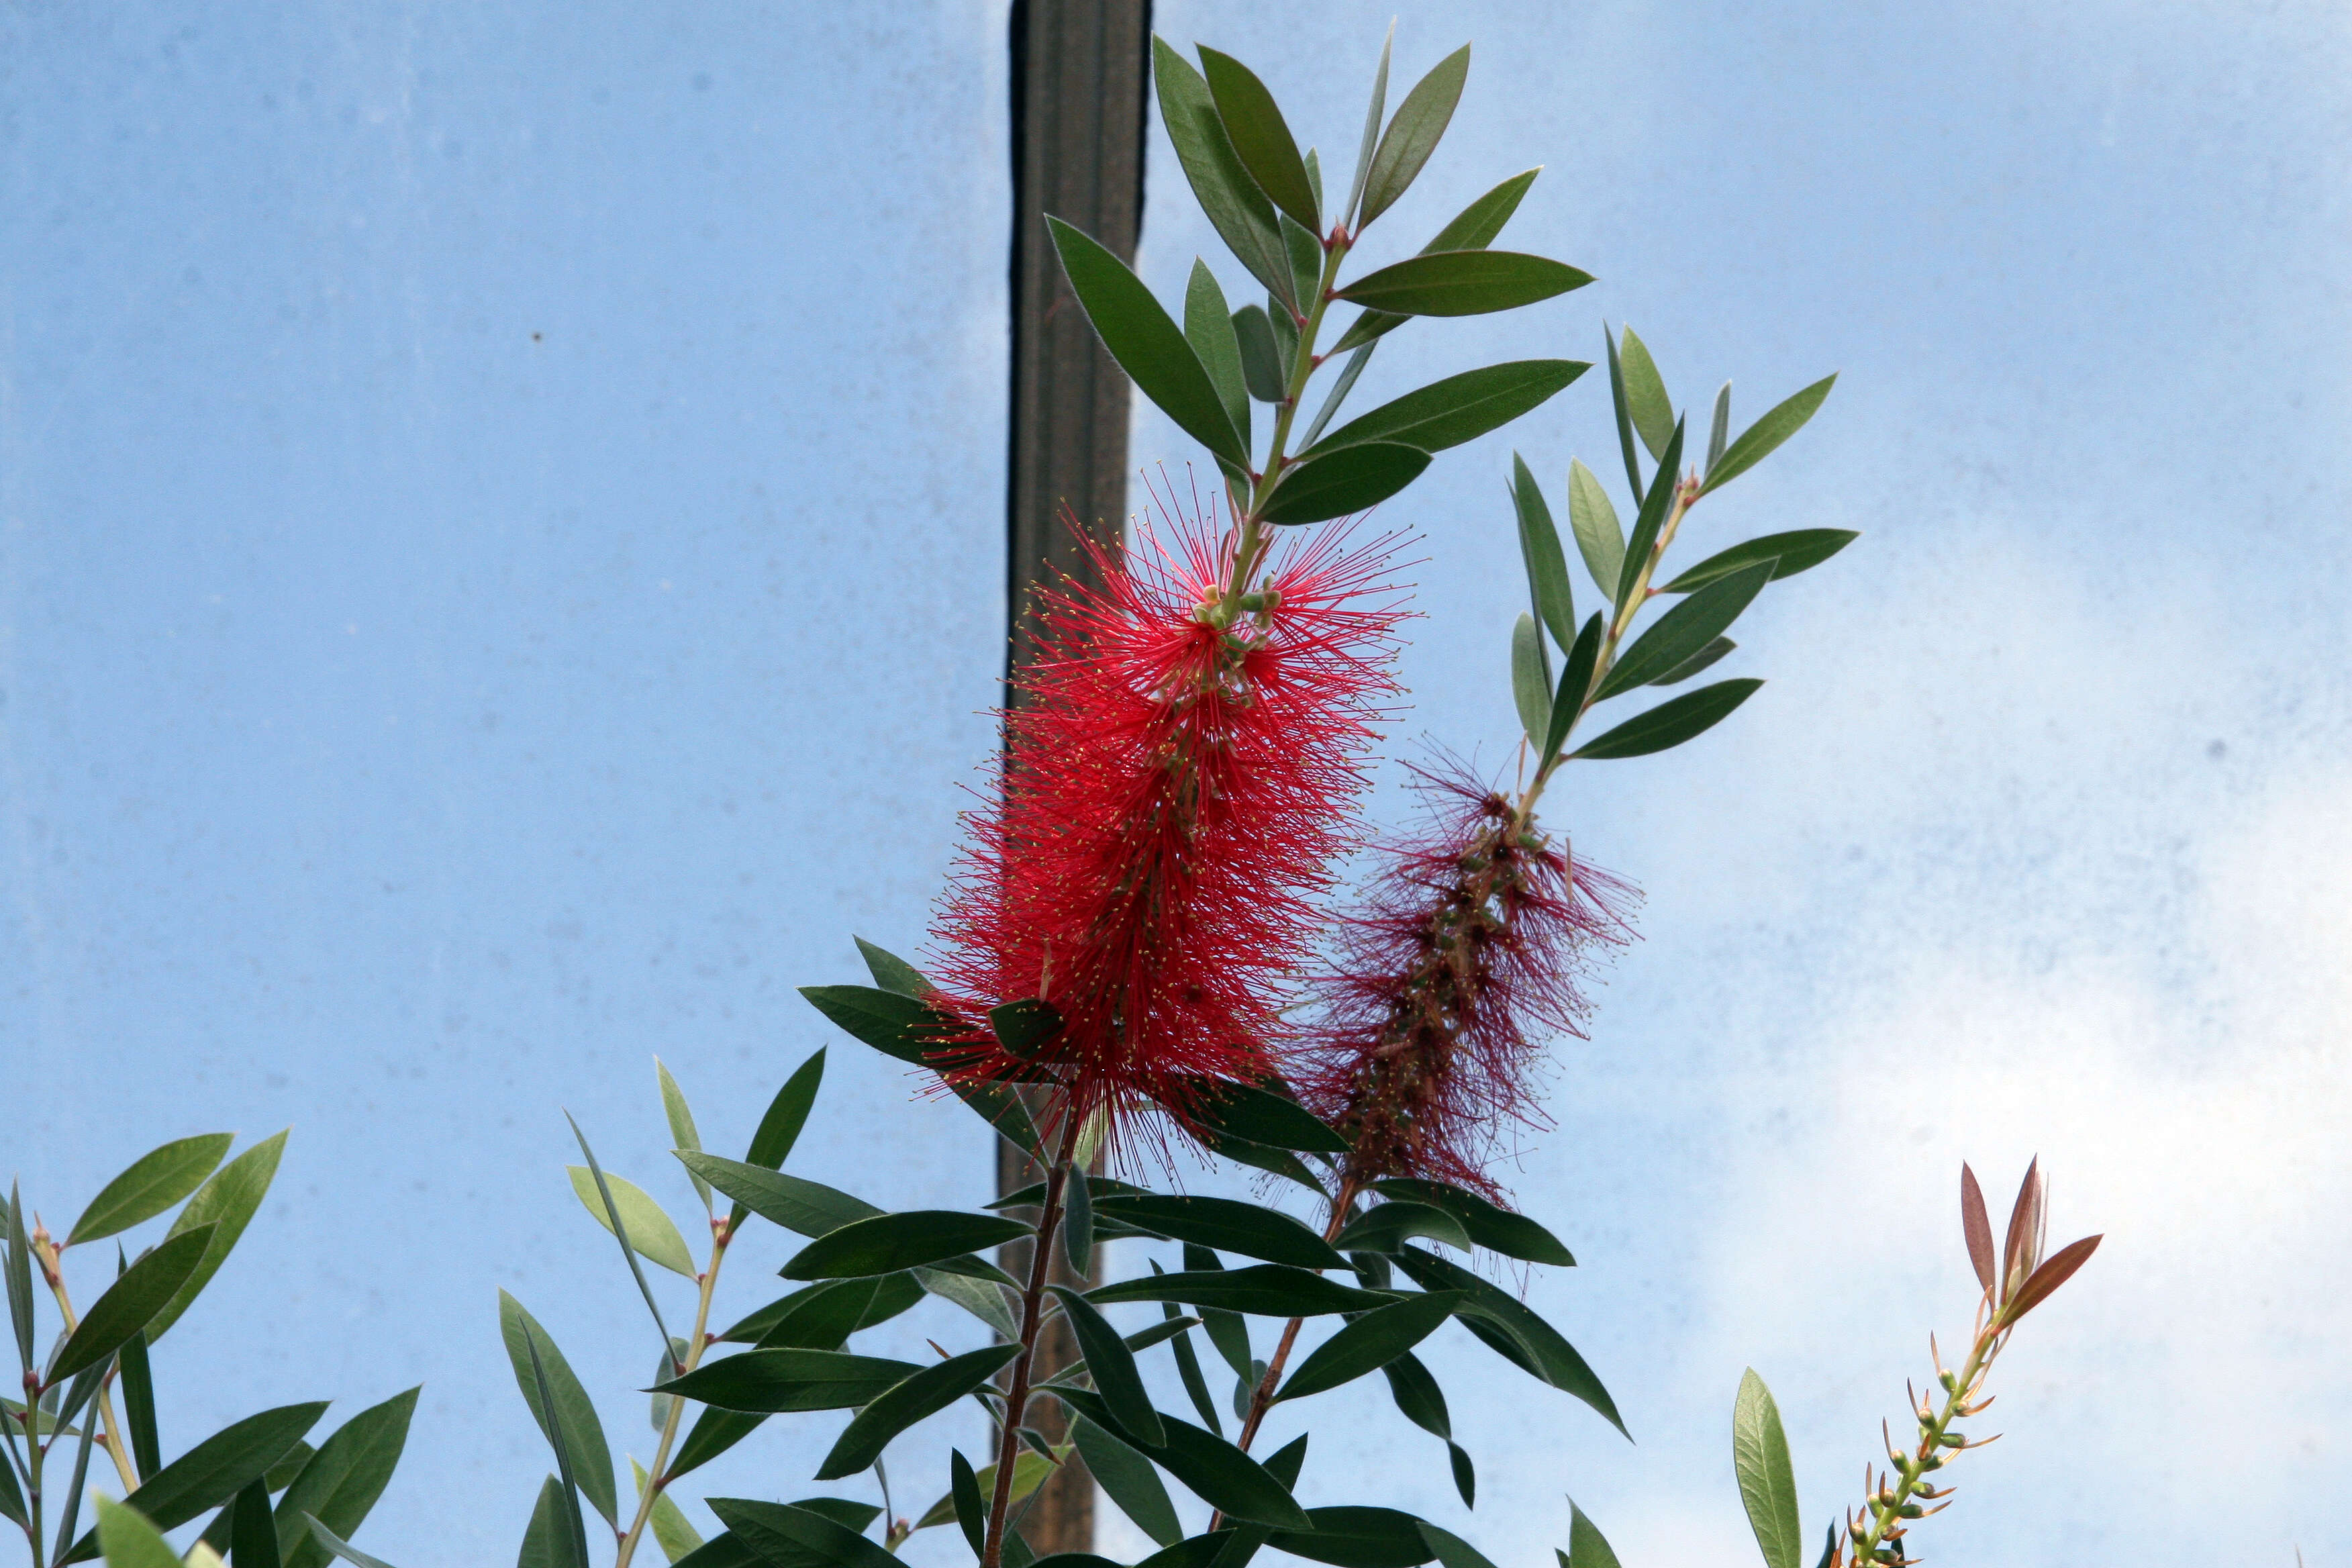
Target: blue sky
(500, 520)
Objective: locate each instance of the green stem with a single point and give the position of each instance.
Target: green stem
(48, 1254)
(1686, 492)
(1016, 1396)
(1252, 544)
(1886, 1506)
(654, 1477)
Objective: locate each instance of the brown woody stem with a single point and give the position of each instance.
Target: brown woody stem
(1016, 1397)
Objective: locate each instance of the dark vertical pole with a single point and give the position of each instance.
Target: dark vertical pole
(1078, 78)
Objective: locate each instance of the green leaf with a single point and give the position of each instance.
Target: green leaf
(673, 1531)
(714, 1432)
(344, 1479)
(1420, 121)
(1703, 659)
(1465, 1474)
(214, 1470)
(1529, 689)
(1472, 228)
(1374, 113)
(1671, 723)
(128, 1541)
(823, 1315)
(1683, 631)
(1720, 429)
(1029, 1473)
(1228, 1223)
(765, 1382)
(155, 1182)
(1651, 518)
(1369, 1343)
(12, 1497)
(1025, 1027)
(1305, 253)
(1496, 1229)
(779, 1125)
(1265, 1289)
(963, 1490)
(1459, 408)
(290, 1464)
(343, 1549)
(20, 1279)
(1540, 552)
(1260, 139)
(1129, 1480)
(1260, 361)
(652, 1233)
(1315, 177)
(910, 1031)
(1798, 550)
(849, 1515)
(682, 1133)
(1149, 346)
(574, 1431)
(925, 1392)
(227, 1202)
(1188, 1365)
(1357, 1538)
(810, 1209)
(1265, 1157)
(253, 1530)
(1757, 442)
(1112, 1366)
(1218, 1473)
(620, 1228)
(1078, 1223)
(1235, 205)
(1625, 426)
(1248, 1111)
(1768, 1484)
(548, 1541)
(1285, 337)
(1209, 328)
(1586, 1548)
(1512, 1329)
(1462, 283)
(1226, 1329)
(1575, 685)
(1351, 479)
(1386, 1226)
(1598, 537)
(888, 1243)
(1417, 1394)
(129, 1303)
(1647, 403)
(977, 1297)
(139, 1403)
(791, 1535)
(890, 971)
(1451, 1549)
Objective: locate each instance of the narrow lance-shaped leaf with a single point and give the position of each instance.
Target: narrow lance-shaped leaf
(810, 1208)
(1209, 328)
(1374, 114)
(1720, 428)
(1459, 407)
(771, 1382)
(1306, 254)
(1758, 440)
(155, 1182)
(1512, 1329)
(1682, 631)
(1767, 1487)
(1656, 506)
(20, 1279)
(888, 1243)
(555, 1436)
(652, 1232)
(1342, 386)
(1351, 479)
(1977, 1228)
(1800, 550)
(1261, 357)
(1260, 139)
(1217, 1472)
(619, 1223)
(1647, 403)
(1586, 1548)
(1575, 684)
(342, 1480)
(130, 1303)
(1462, 283)
(566, 1417)
(1624, 423)
(1420, 121)
(1497, 1228)
(971, 1514)
(1369, 1343)
(214, 1470)
(139, 1403)
(890, 971)
(1129, 1480)
(927, 1392)
(1235, 1225)
(1475, 227)
(1529, 688)
(352, 1554)
(1149, 346)
(1697, 664)
(780, 1127)
(1384, 1227)
(1078, 1223)
(128, 1541)
(1112, 1366)
(227, 1203)
(1539, 549)
(672, 1530)
(1235, 207)
(1600, 537)
(680, 1116)
(1671, 723)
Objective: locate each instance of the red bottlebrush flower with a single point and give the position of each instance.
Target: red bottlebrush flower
(1467, 956)
(1172, 797)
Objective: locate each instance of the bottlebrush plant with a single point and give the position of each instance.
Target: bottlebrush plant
(1135, 968)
